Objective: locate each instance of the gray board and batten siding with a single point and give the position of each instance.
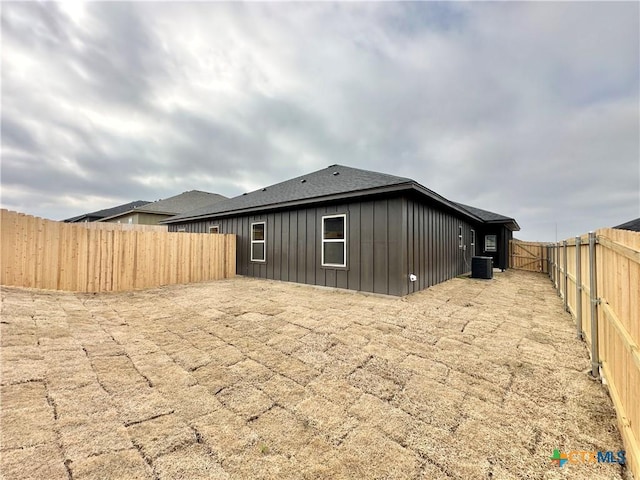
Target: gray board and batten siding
(293, 245)
(433, 251)
(391, 231)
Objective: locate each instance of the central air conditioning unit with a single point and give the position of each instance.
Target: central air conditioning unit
(482, 267)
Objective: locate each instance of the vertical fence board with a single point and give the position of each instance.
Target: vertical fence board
(31, 246)
(207, 242)
(68, 258)
(136, 273)
(7, 246)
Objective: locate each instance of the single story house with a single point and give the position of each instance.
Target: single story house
(107, 212)
(152, 213)
(350, 228)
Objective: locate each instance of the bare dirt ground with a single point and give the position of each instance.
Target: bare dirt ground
(247, 378)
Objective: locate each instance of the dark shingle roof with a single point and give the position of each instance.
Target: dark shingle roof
(485, 215)
(318, 184)
(184, 202)
(491, 217)
(633, 225)
(176, 204)
(336, 181)
(108, 212)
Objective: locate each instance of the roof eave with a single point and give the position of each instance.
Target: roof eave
(291, 203)
(111, 217)
(510, 223)
(135, 210)
(155, 212)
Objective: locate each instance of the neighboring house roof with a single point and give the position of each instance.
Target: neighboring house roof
(175, 205)
(491, 217)
(633, 225)
(331, 183)
(107, 212)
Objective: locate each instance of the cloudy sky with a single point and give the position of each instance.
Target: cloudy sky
(527, 109)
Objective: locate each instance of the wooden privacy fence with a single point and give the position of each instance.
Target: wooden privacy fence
(69, 256)
(598, 278)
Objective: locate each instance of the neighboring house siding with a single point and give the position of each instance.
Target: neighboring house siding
(432, 245)
(125, 219)
(151, 218)
(375, 240)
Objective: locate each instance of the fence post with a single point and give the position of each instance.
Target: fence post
(510, 253)
(595, 359)
(565, 285)
(558, 269)
(578, 289)
(553, 264)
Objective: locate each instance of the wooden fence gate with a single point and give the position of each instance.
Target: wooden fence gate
(530, 256)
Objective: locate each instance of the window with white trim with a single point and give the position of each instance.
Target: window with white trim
(214, 229)
(258, 241)
(181, 230)
(473, 242)
(460, 236)
(334, 241)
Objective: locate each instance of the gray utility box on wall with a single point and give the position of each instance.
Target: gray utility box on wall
(481, 267)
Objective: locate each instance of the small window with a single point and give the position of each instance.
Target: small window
(460, 236)
(473, 240)
(181, 230)
(490, 244)
(258, 242)
(214, 229)
(334, 242)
